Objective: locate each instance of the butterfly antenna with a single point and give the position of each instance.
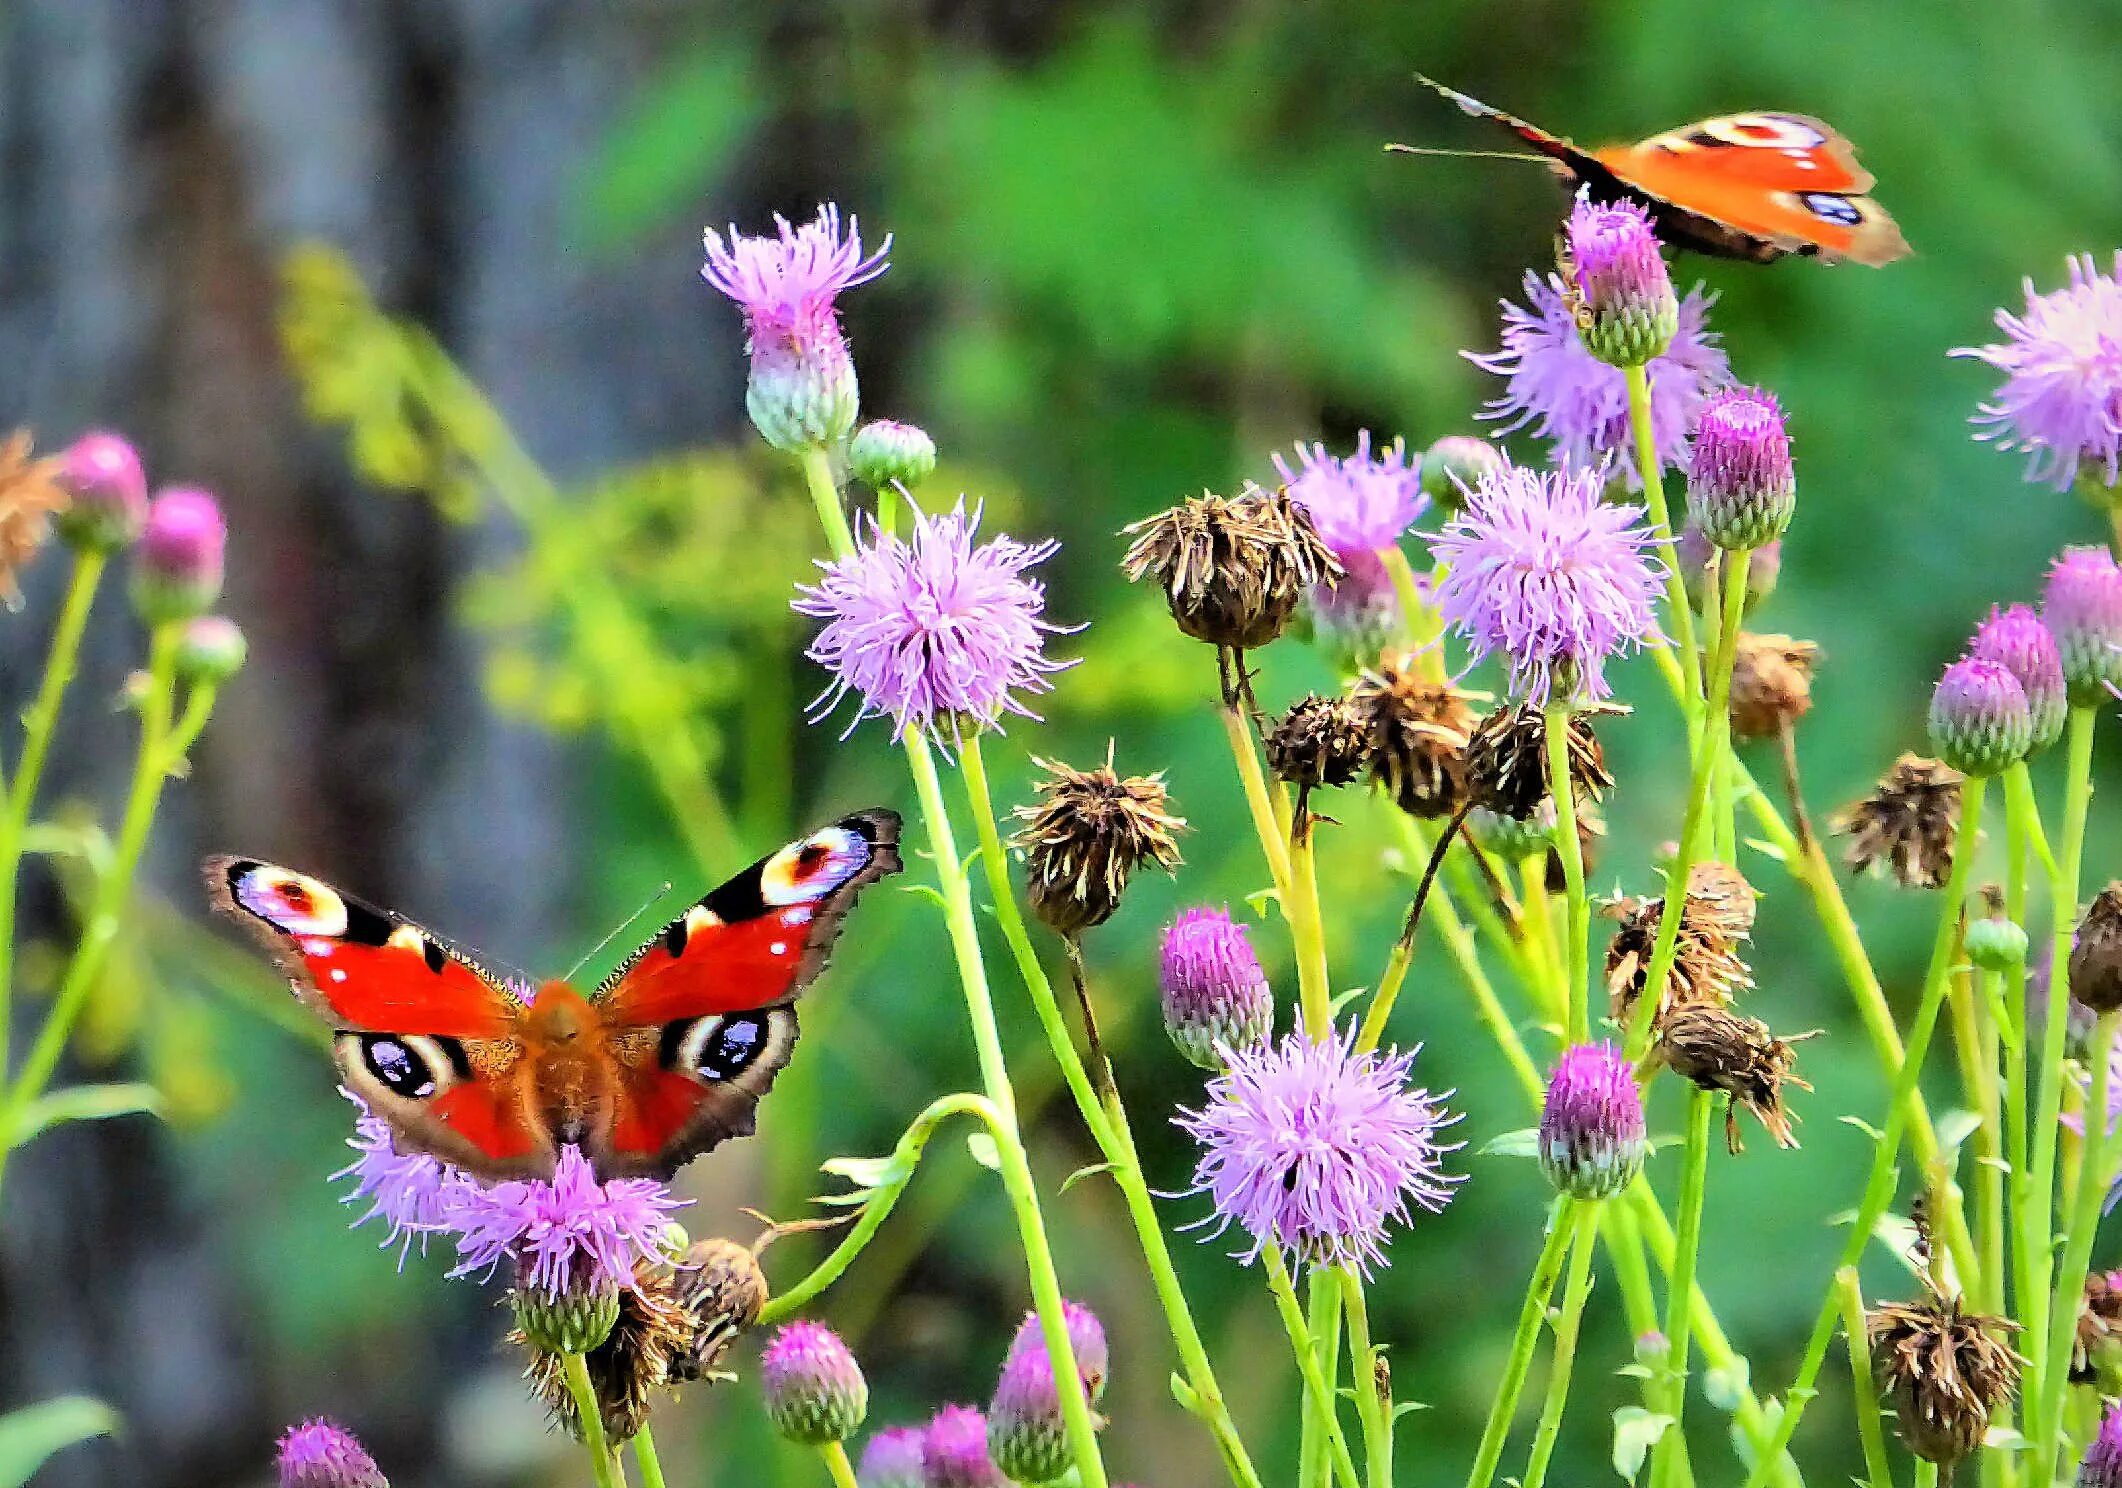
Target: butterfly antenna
(592, 953)
(1468, 154)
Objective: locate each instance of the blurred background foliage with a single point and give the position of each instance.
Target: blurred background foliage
(1139, 246)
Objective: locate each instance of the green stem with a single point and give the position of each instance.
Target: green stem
(651, 1465)
(21, 795)
(1877, 1472)
(1879, 1185)
(1371, 1384)
(1680, 1309)
(1316, 1390)
(1577, 958)
(1307, 932)
(837, 1466)
(1320, 1426)
(1567, 1326)
(1273, 845)
(1683, 619)
(575, 1369)
(2077, 1249)
(1561, 1227)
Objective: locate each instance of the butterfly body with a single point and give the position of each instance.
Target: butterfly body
(664, 1060)
(1753, 186)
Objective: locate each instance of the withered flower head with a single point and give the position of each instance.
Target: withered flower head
(1944, 1369)
(1319, 741)
(1088, 833)
(30, 495)
(1717, 917)
(1719, 1050)
(636, 1359)
(1418, 735)
(1233, 569)
(1771, 684)
(2096, 958)
(2099, 1327)
(719, 1284)
(1910, 823)
(1506, 761)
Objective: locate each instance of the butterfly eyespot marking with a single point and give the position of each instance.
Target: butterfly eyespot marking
(814, 867)
(289, 901)
(409, 938)
(411, 1066)
(1761, 131)
(720, 1047)
(1829, 207)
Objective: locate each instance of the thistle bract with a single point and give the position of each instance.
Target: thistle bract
(2081, 605)
(1592, 1134)
(1630, 311)
(1979, 721)
(814, 1389)
(889, 453)
(1741, 489)
(106, 493)
(2016, 640)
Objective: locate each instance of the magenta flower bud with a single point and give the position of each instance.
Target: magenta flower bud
(2082, 608)
(892, 1459)
(1979, 721)
(1215, 995)
(1086, 1340)
(177, 571)
(1592, 1133)
(1454, 465)
(954, 1451)
(1631, 313)
(814, 1389)
(1026, 1436)
(1692, 552)
(106, 490)
(2016, 640)
(2102, 1467)
(210, 649)
(1741, 489)
(324, 1454)
(888, 453)
(802, 392)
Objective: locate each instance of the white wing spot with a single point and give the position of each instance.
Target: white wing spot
(779, 948)
(338, 973)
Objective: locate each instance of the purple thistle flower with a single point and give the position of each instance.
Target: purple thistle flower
(1313, 1148)
(1544, 571)
(415, 1195)
(1086, 1340)
(1578, 403)
(954, 1451)
(566, 1234)
(1979, 721)
(1592, 1133)
(1621, 280)
(2061, 399)
(802, 392)
(2081, 604)
(1359, 502)
(2016, 640)
(1214, 992)
(891, 1458)
(2102, 1467)
(814, 1389)
(1741, 488)
(323, 1454)
(932, 630)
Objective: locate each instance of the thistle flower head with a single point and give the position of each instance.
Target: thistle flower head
(1314, 1148)
(1320, 741)
(722, 1290)
(954, 1451)
(2016, 640)
(1083, 841)
(323, 1454)
(2061, 398)
(888, 453)
(802, 392)
(1716, 918)
(1454, 465)
(891, 1458)
(1629, 311)
(2081, 605)
(1579, 404)
(1979, 721)
(1359, 502)
(1419, 730)
(177, 572)
(1026, 1434)
(415, 1195)
(1232, 569)
(31, 496)
(1592, 1133)
(814, 1389)
(210, 649)
(1771, 684)
(1552, 577)
(1717, 1050)
(639, 1356)
(1086, 1340)
(1215, 995)
(932, 630)
(2102, 1467)
(568, 1235)
(1910, 823)
(106, 493)
(1741, 489)
(1944, 1369)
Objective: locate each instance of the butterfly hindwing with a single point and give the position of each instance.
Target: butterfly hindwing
(702, 1017)
(425, 1038)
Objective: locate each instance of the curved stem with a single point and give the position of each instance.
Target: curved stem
(1561, 1228)
(837, 1466)
(1680, 1309)
(1371, 1384)
(1877, 1472)
(1576, 959)
(651, 1465)
(1316, 1390)
(590, 1415)
(1683, 617)
(1273, 845)
(1567, 1325)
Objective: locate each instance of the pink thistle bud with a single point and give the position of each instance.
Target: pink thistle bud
(954, 1451)
(892, 1459)
(178, 568)
(1979, 721)
(1592, 1134)
(1630, 311)
(1215, 995)
(2016, 640)
(1740, 486)
(210, 650)
(324, 1454)
(107, 493)
(2082, 608)
(814, 1389)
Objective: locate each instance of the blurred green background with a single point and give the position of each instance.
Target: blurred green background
(1137, 248)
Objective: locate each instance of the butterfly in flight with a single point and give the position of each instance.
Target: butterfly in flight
(1751, 186)
(664, 1060)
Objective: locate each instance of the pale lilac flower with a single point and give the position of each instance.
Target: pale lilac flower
(802, 392)
(932, 630)
(566, 1233)
(1358, 502)
(1579, 404)
(1542, 570)
(323, 1454)
(415, 1195)
(1314, 1148)
(2061, 399)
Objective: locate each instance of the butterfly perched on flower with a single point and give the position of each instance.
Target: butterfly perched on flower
(665, 1059)
(1753, 186)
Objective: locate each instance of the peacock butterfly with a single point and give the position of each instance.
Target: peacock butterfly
(1753, 186)
(665, 1059)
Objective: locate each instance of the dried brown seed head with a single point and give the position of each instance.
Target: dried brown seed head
(1771, 684)
(1717, 917)
(2099, 1336)
(1419, 732)
(1719, 1050)
(1233, 569)
(1506, 761)
(1086, 836)
(1320, 741)
(1910, 823)
(1944, 1369)
(721, 1287)
(30, 496)
(634, 1362)
(2096, 956)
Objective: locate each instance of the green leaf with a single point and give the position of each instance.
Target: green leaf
(982, 1146)
(1405, 1406)
(1184, 1393)
(1081, 1173)
(86, 1103)
(927, 891)
(1955, 1127)
(1334, 1007)
(2004, 1439)
(1725, 1388)
(1863, 1126)
(866, 1173)
(1636, 1371)
(1636, 1431)
(29, 1436)
(1524, 1142)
